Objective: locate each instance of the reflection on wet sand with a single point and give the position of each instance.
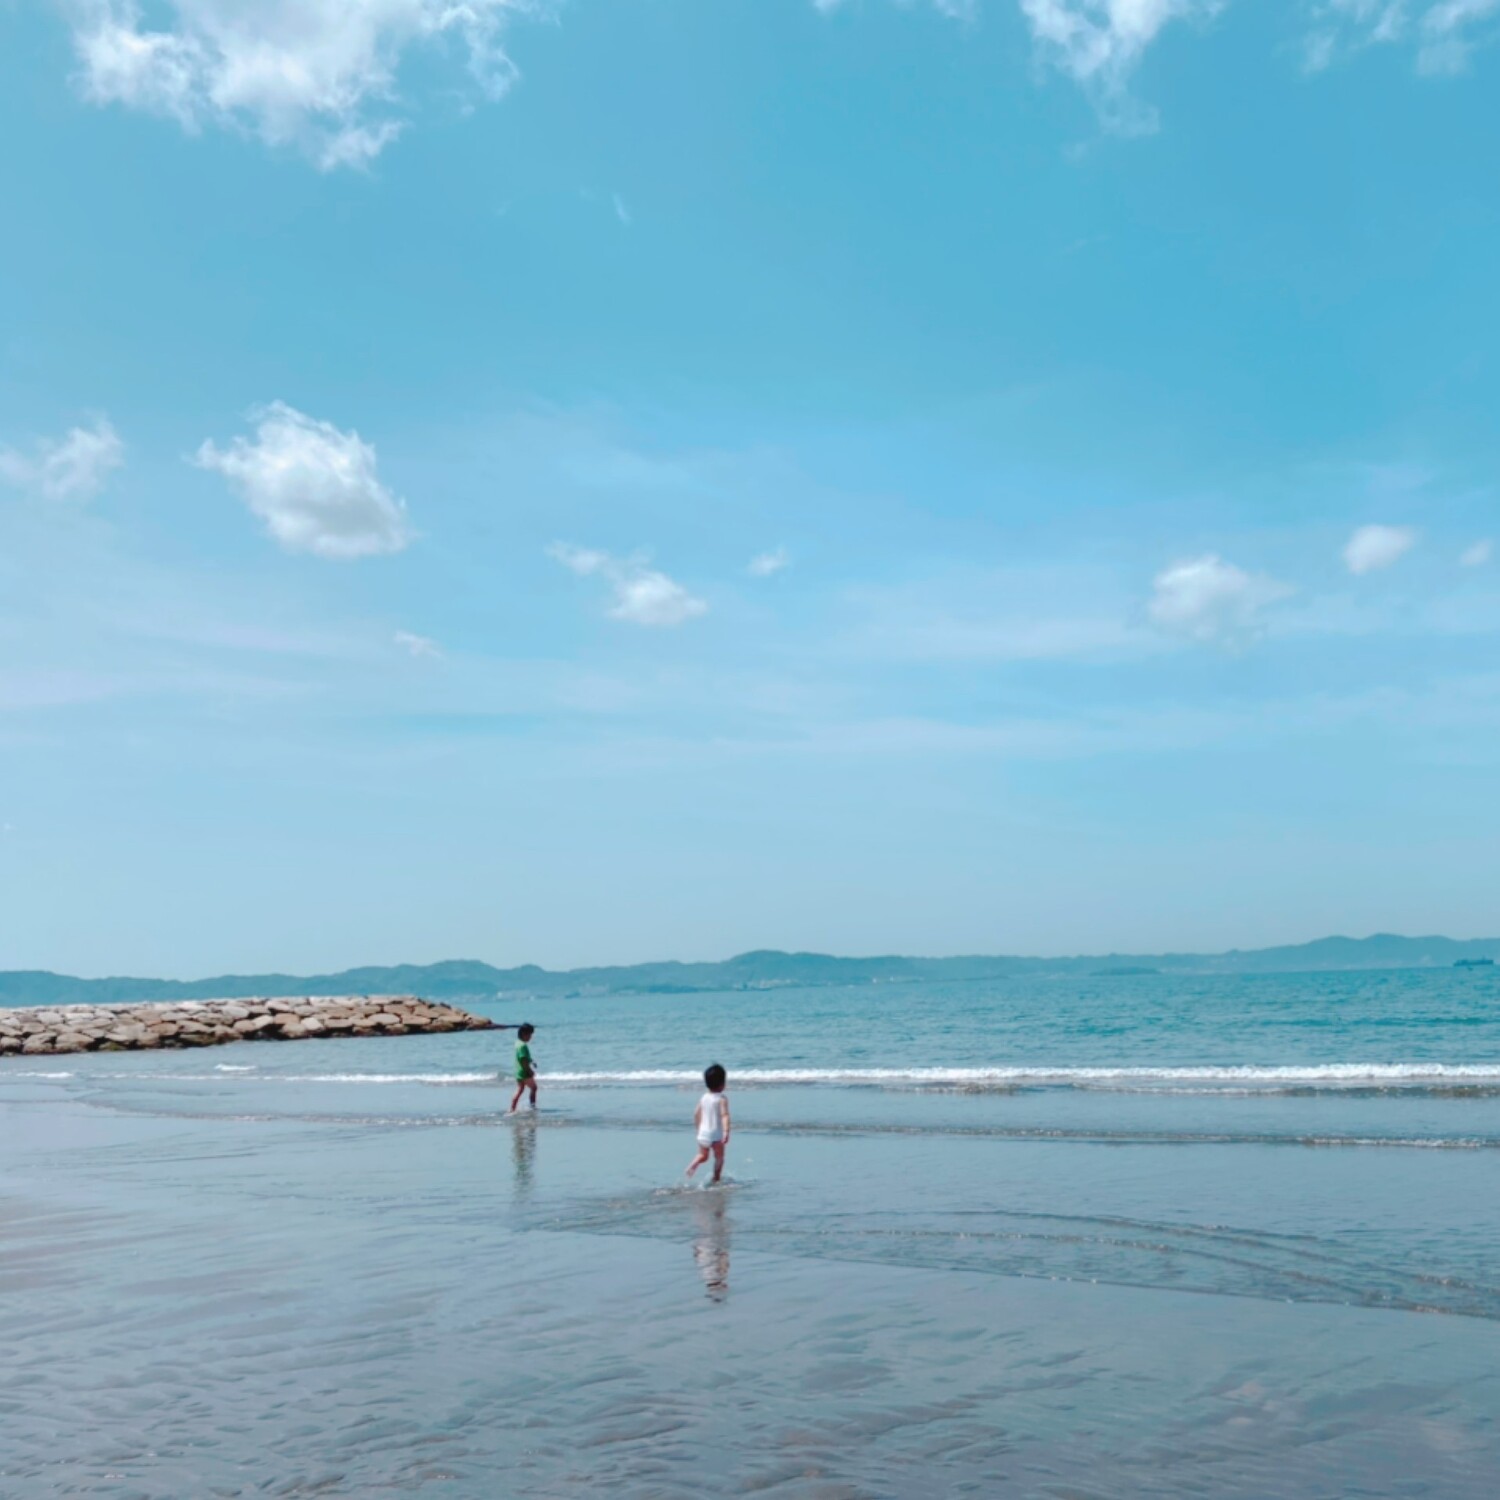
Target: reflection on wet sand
(523, 1152)
(711, 1243)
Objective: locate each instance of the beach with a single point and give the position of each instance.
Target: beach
(936, 560)
(1088, 1258)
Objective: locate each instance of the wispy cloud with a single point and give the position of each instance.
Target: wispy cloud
(315, 487)
(1048, 611)
(1338, 24)
(622, 212)
(974, 639)
(324, 77)
(1374, 547)
(318, 75)
(417, 646)
(40, 689)
(639, 593)
(1469, 707)
(958, 10)
(1100, 43)
(1450, 32)
(764, 564)
(1443, 34)
(73, 467)
(1208, 599)
(1477, 554)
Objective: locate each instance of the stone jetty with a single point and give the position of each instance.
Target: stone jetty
(50, 1029)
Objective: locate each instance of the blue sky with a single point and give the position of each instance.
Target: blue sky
(604, 481)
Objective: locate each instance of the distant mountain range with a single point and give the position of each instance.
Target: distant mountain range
(461, 980)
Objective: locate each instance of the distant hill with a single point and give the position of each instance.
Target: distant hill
(460, 979)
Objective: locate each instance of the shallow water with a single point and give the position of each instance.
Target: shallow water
(1147, 1236)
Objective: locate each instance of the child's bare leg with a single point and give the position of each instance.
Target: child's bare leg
(698, 1160)
(718, 1160)
(532, 1086)
(516, 1097)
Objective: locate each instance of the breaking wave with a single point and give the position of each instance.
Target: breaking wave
(1327, 1075)
(1229, 1079)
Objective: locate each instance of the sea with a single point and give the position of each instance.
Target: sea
(1121, 1236)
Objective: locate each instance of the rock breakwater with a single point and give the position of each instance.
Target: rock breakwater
(39, 1030)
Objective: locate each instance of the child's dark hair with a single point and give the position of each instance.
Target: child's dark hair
(715, 1077)
(526, 1031)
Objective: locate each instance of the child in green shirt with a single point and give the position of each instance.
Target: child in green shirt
(525, 1068)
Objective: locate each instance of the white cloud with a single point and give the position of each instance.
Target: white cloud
(651, 598)
(1375, 547)
(1208, 599)
(418, 646)
(320, 75)
(1100, 43)
(1478, 554)
(583, 561)
(959, 10)
(1444, 33)
(764, 564)
(1365, 21)
(622, 211)
(67, 468)
(639, 593)
(314, 486)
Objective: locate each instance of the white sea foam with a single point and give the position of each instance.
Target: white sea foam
(1208, 1079)
(1212, 1079)
(1327, 1074)
(489, 1077)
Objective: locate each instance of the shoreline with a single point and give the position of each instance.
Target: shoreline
(55, 1030)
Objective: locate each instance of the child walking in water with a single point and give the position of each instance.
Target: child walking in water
(712, 1121)
(525, 1068)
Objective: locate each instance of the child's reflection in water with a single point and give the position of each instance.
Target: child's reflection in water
(711, 1245)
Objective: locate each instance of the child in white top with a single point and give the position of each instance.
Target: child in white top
(711, 1120)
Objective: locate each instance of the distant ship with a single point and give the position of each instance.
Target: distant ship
(1473, 963)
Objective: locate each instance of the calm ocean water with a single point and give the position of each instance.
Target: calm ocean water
(1114, 1236)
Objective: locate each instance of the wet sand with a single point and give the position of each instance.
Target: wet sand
(199, 1302)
